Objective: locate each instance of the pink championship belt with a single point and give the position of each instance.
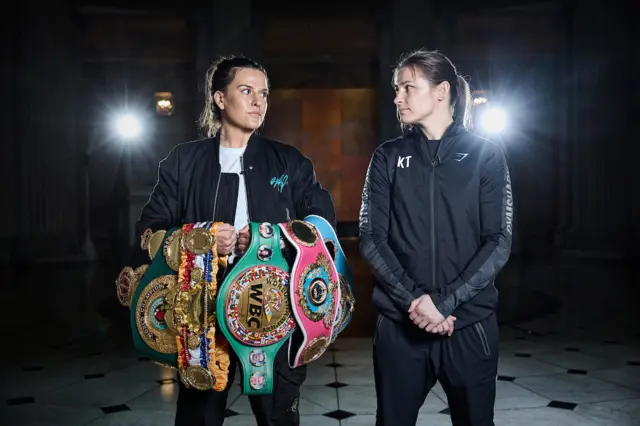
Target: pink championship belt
(314, 292)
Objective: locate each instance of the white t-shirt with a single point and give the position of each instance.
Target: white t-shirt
(230, 163)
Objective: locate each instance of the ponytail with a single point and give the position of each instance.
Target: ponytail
(462, 106)
(210, 119)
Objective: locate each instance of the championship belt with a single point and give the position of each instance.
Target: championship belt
(148, 304)
(130, 276)
(315, 292)
(203, 354)
(253, 309)
(172, 304)
(347, 300)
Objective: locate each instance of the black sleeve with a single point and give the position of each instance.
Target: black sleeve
(309, 196)
(162, 209)
(496, 215)
(374, 234)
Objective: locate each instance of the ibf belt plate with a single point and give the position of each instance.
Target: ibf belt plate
(258, 308)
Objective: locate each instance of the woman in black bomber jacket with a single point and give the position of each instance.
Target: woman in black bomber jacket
(236, 176)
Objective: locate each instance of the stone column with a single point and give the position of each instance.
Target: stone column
(633, 24)
(600, 197)
(44, 151)
(8, 214)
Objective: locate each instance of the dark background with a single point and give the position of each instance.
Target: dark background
(565, 71)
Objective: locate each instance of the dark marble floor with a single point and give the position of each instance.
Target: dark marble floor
(570, 353)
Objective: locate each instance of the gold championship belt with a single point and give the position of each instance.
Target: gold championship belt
(172, 304)
(181, 318)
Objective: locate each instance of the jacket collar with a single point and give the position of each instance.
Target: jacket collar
(450, 136)
(254, 146)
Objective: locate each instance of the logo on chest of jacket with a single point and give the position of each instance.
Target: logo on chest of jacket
(461, 156)
(403, 162)
(279, 182)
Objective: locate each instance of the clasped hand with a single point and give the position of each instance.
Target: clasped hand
(425, 315)
(228, 239)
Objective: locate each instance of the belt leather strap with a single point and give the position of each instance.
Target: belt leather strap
(253, 308)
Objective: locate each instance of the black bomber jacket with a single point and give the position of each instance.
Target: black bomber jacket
(280, 182)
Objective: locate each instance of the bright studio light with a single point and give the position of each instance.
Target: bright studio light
(128, 126)
(494, 120)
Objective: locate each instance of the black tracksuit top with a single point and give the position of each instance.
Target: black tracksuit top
(437, 223)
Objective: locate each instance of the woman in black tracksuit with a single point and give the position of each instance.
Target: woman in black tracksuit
(435, 226)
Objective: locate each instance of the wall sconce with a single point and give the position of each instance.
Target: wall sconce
(480, 97)
(164, 103)
(479, 101)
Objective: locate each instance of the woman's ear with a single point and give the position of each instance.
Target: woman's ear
(218, 98)
(442, 89)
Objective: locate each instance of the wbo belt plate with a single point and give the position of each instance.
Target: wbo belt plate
(258, 308)
(315, 292)
(347, 303)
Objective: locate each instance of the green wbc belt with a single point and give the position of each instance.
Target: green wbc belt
(253, 308)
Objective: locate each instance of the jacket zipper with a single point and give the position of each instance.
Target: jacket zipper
(215, 202)
(433, 161)
(246, 187)
(434, 247)
(433, 227)
(215, 197)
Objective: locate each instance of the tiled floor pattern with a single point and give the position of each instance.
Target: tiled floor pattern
(64, 363)
(544, 380)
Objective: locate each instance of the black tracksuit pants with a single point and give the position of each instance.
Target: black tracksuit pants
(207, 408)
(408, 361)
